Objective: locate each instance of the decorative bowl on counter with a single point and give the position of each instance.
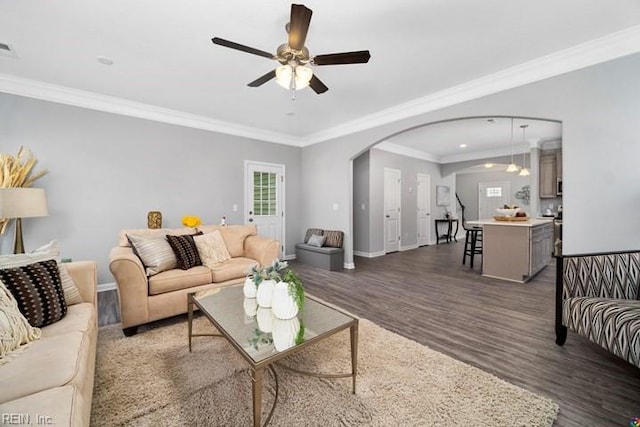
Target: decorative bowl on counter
(508, 212)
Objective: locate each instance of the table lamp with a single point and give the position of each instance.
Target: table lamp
(21, 203)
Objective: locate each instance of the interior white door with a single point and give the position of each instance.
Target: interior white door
(264, 199)
(423, 193)
(392, 180)
(491, 196)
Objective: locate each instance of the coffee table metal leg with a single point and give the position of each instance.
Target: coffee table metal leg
(354, 354)
(190, 311)
(257, 376)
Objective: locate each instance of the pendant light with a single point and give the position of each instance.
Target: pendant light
(512, 166)
(524, 171)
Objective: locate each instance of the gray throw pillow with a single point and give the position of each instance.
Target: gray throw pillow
(316, 240)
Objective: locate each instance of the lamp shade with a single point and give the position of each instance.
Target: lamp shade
(23, 202)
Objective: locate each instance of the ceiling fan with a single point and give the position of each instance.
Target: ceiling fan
(294, 71)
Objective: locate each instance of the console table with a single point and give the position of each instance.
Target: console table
(450, 235)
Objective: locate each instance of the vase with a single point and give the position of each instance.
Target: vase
(264, 316)
(154, 219)
(249, 289)
(265, 293)
(283, 304)
(285, 332)
(250, 306)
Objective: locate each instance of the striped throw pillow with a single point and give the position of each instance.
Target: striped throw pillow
(155, 253)
(333, 238)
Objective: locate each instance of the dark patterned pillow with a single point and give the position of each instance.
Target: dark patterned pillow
(311, 231)
(38, 291)
(333, 238)
(186, 250)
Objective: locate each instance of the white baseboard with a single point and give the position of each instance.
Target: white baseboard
(369, 254)
(408, 248)
(349, 265)
(288, 257)
(103, 287)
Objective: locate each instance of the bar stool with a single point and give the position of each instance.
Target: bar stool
(472, 244)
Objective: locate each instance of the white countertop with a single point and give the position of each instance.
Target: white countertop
(531, 222)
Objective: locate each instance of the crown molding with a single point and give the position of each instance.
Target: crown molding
(110, 104)
(606, 48)
(612, 46)
(391, 147)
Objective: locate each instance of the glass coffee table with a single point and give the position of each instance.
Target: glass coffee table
(263, 340)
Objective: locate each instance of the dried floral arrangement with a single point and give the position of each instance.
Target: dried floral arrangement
(18, 171)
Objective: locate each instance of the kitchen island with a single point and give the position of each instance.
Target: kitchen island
(515, 250)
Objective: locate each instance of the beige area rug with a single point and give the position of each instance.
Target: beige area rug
(151, 379)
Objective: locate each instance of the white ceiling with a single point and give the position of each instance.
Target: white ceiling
(166, 65)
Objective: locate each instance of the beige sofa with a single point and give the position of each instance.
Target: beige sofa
(144, 299)
(50, 382)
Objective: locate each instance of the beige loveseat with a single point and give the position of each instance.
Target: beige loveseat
(50, 382)
(145, 298)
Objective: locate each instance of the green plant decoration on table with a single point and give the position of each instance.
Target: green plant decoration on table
(296, 290)
(272, 271)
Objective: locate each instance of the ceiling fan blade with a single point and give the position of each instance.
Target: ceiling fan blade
(299, 26)
(317, 85)
(263, 79)
(359, 57)
(243, 48)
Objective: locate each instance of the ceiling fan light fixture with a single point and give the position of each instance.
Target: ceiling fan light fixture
(293, 77)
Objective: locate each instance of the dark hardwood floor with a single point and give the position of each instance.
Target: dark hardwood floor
(504, 328)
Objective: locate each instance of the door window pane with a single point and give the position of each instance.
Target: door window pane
(494, 191)
(264, 193)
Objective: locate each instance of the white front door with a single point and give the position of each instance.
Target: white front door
(391, 210)
(492, 195)
(264, 199)
(424, 208)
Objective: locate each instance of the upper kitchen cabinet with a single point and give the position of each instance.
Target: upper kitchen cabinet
(550, 174)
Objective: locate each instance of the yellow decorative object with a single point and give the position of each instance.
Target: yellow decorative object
(16, 171)
(191, 221)
(154, 219)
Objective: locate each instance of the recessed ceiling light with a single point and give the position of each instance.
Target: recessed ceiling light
(463, 145)
(104, 60)
(488, 165)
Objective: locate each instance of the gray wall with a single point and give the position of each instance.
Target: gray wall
(107, 171)
(598, 107)
(409, 168)
(368, 176)
(361, 203)
(467, 188)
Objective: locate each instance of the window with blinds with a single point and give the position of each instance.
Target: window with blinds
(264, 193)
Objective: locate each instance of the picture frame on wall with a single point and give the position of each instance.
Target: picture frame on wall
(443, 195)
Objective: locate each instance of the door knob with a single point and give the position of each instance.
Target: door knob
(388, 216)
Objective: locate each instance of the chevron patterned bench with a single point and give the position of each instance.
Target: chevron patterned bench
(598, 297)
